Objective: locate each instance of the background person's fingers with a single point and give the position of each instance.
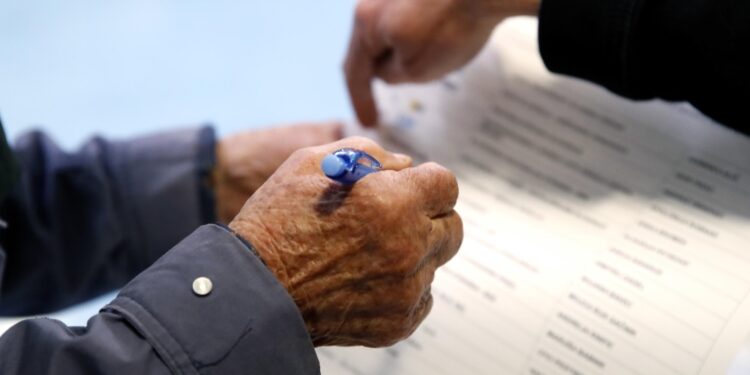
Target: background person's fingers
(435, 187)
(358, 68)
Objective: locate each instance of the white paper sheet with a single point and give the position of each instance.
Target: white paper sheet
(601, 235)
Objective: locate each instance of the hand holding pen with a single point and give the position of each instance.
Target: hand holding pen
(358, 258)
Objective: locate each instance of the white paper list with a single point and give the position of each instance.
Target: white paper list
(602, 236)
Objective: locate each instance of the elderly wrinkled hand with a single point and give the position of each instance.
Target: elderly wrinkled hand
(418, 40)
(358, 260)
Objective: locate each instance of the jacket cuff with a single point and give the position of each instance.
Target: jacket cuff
(164, 180)
(246, 323)
(590, 39)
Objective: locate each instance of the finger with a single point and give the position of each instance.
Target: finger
(435, 187)
(445, 238)
(365, 47)
(388, 160)
(358, 68)
(428, 57)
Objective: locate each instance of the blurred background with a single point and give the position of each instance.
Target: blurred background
(120, 68)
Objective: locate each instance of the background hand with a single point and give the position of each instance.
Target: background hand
(418, 40)
(246, 160)
(358, 260)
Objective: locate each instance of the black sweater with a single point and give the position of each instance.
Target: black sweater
(679, 50)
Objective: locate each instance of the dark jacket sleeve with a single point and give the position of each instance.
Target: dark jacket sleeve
(84, 223)
(246, 324)
(679, 50)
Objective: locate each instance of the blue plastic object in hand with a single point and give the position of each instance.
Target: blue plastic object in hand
(348, 165)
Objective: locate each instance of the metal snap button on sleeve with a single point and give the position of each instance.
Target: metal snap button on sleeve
(202, 286)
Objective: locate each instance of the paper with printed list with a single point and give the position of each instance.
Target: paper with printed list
(602, 236)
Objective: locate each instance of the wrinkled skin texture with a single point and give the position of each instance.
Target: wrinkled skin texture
(418, 40)
(358, 260)
(244, 161)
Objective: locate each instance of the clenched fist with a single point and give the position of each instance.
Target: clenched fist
(358, 260)
(418, 40)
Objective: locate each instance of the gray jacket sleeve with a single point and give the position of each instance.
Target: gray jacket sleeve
(247, 324)
(84, 223)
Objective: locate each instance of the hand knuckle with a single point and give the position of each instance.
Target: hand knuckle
(444, 180)
(439, 169)
(303, 153)
(386, 206)
(400, 204)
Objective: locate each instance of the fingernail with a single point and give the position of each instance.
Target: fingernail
(403, 158)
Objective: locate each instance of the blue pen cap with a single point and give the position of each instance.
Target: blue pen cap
(333, 166)
(348, 165)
